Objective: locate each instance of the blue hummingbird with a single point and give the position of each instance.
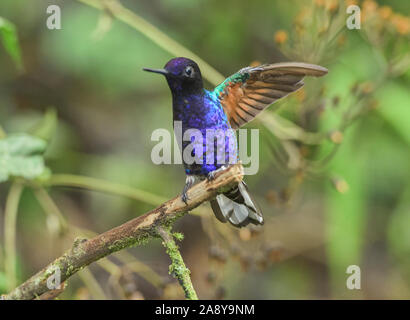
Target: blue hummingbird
(232, 104)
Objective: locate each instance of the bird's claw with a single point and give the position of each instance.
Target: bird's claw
(188, 184)
(185, 198)
(211, 175)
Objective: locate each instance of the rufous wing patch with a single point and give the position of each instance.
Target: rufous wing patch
(245, 94)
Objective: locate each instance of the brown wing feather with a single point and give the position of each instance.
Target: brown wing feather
(243, 98)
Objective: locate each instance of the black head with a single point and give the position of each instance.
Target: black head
(183, 75)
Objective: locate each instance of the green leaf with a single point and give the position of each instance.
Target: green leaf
(46, 128)
(9, 38)
(345, 213)
(21, 156)
(394, 107)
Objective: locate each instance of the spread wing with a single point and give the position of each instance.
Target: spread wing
(246, 93)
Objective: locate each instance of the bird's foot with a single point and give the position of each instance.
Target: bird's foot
(211, 175)
(188, 184)
(184, 197)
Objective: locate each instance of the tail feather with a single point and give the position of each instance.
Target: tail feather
(237, 207)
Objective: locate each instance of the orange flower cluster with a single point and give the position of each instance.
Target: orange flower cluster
(351, 3)
(402, 23)
(385, 16)
(330, 5)
(280, 36)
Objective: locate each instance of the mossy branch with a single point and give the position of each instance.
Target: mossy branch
(177, 267)
(131, 233)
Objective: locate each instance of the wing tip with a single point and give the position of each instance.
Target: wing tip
(309, 69)
(315, 70)
(322, 71)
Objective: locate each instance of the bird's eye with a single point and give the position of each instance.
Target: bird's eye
(189, 71)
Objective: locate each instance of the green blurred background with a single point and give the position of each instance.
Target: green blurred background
(340, 198)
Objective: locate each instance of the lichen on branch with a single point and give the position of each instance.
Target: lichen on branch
(177, 268)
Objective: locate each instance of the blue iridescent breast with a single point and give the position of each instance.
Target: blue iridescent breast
(218, 146)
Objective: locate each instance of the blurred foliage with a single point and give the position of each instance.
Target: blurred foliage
(20, 156)
(9, 38)
(334, 174)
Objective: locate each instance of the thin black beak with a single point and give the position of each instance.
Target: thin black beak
(161, 71)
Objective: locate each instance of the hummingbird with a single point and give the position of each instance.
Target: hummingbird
(232, 104)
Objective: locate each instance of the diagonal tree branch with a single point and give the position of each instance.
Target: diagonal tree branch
(131, 233)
